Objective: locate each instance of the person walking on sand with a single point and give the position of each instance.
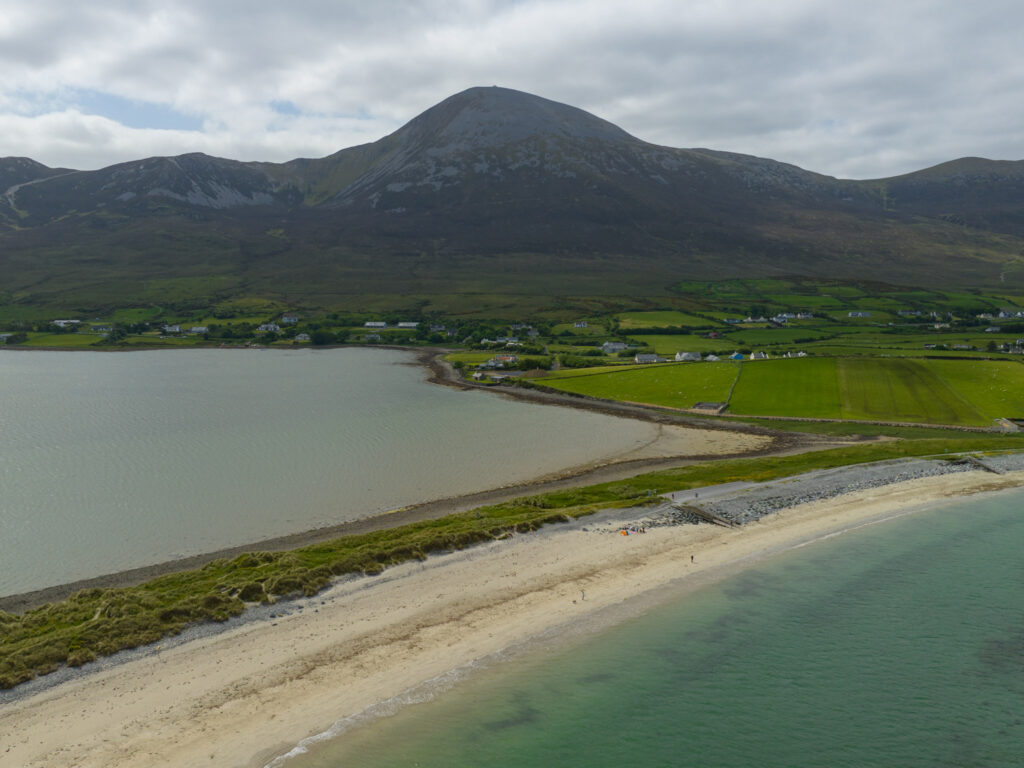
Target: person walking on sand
(691, 558)
(583, 595)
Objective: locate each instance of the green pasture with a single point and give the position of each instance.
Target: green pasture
(669, 344)
(969, 392)
(676, 385)
(963, 393)
(772, 337)
(901, 389)
(877, 316)
(996, 389)
(662, 319)
(135, 315)
(65, 340)
(572, 373)
(803, 387)
(803, 302)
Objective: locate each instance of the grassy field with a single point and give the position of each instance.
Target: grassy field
(670, 344)
(806, 387)
(901, 389)
(662, 319)
(762, 337)
(968, 393)
(677, 385)
(896, 389)
(996, 389)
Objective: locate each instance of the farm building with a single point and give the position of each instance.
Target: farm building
(687, 357)
(645, 358)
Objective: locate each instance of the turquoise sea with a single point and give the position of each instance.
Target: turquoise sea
(896, 644)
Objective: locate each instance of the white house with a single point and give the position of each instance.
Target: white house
(687, 357)
(758, 356)
(374, 324)
(712, 359)
(611, 347)
(409, 326)
(66, 323)
(580, 324)
(199, 329)
(289, 319)
(172, 329)
(302, 337)
(269, 327)
(645, 358)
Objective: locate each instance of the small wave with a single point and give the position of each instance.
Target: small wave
(418, 694)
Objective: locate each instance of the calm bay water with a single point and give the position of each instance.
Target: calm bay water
(111, 461)
(899, 644)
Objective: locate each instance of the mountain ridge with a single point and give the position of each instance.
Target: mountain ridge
(490, 173)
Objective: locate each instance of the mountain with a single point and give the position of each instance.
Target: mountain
(492, 190)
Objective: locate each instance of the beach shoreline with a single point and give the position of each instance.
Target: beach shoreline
(250, 694)
(661, 453)
(667, 450)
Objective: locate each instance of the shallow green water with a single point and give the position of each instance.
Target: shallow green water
(899, 644)
(110, 461)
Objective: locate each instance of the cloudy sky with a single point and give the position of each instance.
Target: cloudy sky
(853, 89)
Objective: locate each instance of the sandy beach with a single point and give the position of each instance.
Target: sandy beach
(249, 694)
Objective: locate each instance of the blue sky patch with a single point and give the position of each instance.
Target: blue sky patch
(285, 108)
(132, 113)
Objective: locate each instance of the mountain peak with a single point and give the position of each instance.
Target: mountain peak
(498, 116)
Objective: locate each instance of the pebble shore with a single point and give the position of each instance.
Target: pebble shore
(754, 503)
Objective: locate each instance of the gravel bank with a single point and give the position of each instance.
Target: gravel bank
(756, 502)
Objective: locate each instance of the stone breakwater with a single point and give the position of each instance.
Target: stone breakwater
(754, 503)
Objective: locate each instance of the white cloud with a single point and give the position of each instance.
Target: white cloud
(861, 90)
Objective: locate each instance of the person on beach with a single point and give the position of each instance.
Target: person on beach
(583, 595)
(691, 558)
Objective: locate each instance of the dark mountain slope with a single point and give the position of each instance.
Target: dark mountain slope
(497, 190)
(985, 194)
